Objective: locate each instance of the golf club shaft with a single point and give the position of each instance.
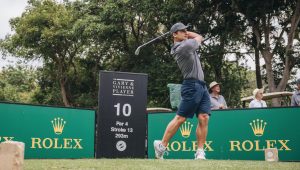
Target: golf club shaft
(138, 49)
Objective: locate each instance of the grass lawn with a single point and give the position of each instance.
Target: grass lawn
(139, 164)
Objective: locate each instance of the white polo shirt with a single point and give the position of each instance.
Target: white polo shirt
(256, 103)
(296, 99)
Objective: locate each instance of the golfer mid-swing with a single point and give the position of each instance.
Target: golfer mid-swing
(194, 93)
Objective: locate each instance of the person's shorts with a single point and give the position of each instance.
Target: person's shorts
(195, 99)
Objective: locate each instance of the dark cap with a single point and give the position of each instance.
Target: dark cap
(178, 26)
(298, 81)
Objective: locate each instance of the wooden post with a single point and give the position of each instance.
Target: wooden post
(271, 154)
(11, 155)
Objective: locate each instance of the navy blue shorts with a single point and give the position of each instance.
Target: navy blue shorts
(194, 99)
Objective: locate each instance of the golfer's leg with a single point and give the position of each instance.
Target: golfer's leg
(172, 129)
(202, 129)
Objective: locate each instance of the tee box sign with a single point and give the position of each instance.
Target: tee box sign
(122, 120)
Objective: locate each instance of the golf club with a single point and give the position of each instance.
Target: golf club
(137, 51)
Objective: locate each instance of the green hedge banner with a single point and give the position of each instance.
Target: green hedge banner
(49, 132)
(233, 134)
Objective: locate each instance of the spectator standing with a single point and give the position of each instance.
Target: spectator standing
(296, 96)
(257, 99)
(216, 99)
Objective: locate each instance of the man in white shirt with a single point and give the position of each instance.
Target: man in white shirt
(296, 96)
(257, 99)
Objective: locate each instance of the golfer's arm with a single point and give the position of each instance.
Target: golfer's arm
(197, 37)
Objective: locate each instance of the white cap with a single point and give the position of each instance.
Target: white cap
(255, 91)
(212, 84)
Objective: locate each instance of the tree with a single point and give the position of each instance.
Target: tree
(78, 39)
(274, 25)
(18, 84)
(47, 30)
(133, 22)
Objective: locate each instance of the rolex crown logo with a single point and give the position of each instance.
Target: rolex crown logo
(186, 129)
(58, 125)
(258, 127)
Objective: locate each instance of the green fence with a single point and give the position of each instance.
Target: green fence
(49, 132)
(234, 134)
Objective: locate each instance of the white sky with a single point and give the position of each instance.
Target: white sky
(10, 9)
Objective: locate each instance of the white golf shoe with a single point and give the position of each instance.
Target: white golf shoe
(159, 149)
(200, 154)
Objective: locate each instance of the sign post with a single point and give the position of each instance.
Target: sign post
(121, 130)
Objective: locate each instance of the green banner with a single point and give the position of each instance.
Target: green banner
(233, 134)
(49, 132)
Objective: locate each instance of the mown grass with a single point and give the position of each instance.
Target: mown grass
(151, 164)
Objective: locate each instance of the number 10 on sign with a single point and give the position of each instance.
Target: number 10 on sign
(126, 109)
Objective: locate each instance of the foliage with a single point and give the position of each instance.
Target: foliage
(274, 25)
(132, 23)
(48, 30)
(76, 39)
(18, 84)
